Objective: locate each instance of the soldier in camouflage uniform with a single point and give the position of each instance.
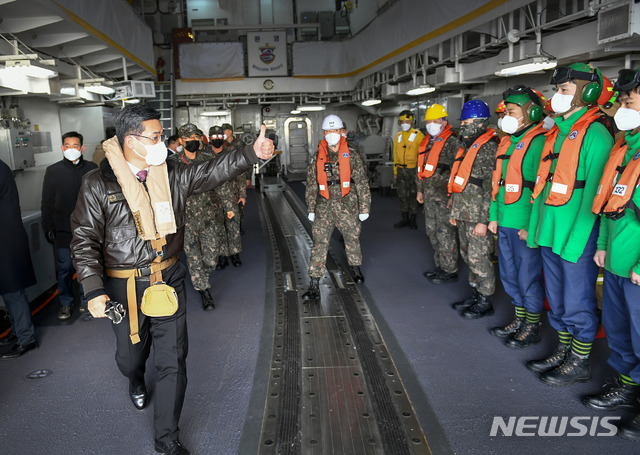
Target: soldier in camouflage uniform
(239, 190)
(199, 238)
(470, 186)
(333, 202)
(435, 159)
(226, 223)
(405, 160)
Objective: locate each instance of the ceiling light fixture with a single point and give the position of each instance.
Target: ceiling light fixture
(371, 102)
(420, 90)
(220, 113)
(295, 112)
(528, 65)
(100, 89)
(131, 100)
(311, 107)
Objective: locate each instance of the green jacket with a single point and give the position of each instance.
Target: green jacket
(620, 237)
(566, 229)
(517, 215)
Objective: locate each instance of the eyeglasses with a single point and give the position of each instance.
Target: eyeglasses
(627, 80)
(563, 74)
(155, 139)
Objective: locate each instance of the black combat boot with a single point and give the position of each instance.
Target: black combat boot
(431, 273)
(356, 274)
(403, 222)
(207, 300)
(444, 277)
(630, 430)
(222, 262)
(555, 359)
(412, 221)
(527, 335)
(235, 260)
(468, 303)
(619, 395)
(313, 292)
(480, 309)
(574, 369)
(508, 329)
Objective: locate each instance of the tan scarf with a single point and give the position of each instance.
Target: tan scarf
(152, 212)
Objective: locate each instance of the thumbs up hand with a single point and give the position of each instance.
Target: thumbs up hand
(263, 146)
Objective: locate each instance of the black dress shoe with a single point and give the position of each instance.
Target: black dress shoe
(207, 300)
(431, 273)
(480, 309)
(171, 448)
(548, 363)
(139, 396)
(18, 349)
(574, 369)
(618, 396)
(235, 260)
(11, 338)
(222, 262)
(468, 303)
(526, 335)
(443, 277)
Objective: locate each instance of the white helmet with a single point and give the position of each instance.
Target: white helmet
(332, 122)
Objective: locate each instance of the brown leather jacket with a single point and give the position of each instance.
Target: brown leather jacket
(104, 232)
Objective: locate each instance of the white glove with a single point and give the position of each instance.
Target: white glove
(312, 217)
(363, 216)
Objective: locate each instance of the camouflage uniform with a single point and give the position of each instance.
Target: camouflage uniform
(337, 211)
(238, 190)
(199, 236)
(441, 233)
(223, 201)
(470, 208)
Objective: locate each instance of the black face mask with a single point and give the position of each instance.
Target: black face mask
(217, 143)
(192, 146)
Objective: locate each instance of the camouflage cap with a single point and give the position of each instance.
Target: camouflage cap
(187, 130)
(215, 130)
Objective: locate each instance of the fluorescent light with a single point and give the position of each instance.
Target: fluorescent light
(221, 113)
(99, 89)
(421, 90)
(371, 102)
(131, 100)
(69, 91)
(295, 112)
(311, 107)
(529, 65)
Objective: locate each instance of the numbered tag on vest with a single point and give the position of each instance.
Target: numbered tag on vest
(322, 187)
(458, 180)
(512, 188)
(619, 190)
(412, 136)
(399, 137)
(428, 167)
(346, 184)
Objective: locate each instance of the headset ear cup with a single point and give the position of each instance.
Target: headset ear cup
(535, 113)
(591, 92)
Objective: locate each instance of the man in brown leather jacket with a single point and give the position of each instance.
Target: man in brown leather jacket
(128, 227)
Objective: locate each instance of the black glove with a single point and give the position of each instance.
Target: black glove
(51, 237)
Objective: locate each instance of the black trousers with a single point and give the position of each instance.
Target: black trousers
(170, 342)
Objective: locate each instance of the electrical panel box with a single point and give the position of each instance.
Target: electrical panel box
(325, 18)
(308, 17)
(341, 20)
(17, 148)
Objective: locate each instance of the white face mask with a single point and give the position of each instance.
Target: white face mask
(72, 154)
(332, 139)
(156, 153)
(434, 129)
(224, 136)
(548, 123)
(405, 126)
(500, 123)
(510, 124)
(627, 119)
(179, 148)
(561, 103)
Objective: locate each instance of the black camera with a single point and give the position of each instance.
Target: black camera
(115, 311)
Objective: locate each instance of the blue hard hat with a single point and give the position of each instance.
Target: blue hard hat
(475, 109)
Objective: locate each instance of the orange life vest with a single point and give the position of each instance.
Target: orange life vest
(462, 165)
(344, 166)
(513, 181)
(563, 179)
(611, 171)
(620, 192)
(433, 155)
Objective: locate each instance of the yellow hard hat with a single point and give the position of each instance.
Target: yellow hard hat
(435, 111)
